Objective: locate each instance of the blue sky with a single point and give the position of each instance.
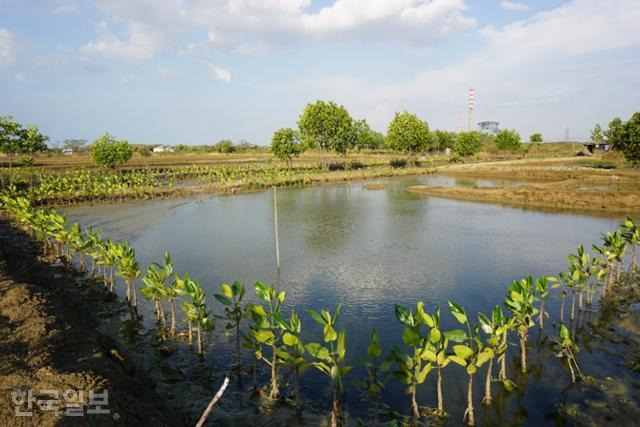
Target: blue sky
(196, 71)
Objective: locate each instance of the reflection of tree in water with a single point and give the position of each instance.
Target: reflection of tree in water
(326, 217)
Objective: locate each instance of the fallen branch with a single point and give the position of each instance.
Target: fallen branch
(213, 402)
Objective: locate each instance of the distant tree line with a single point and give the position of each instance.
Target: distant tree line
(623, 136)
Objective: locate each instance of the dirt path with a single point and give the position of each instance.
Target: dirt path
(48, 343)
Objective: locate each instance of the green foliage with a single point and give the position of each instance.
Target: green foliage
(408, 134)
(108, 152)
(365, 137)
(467, 143)
(225, 146)
(26, 161)
(520, 302)
(630, 142)
(286, 145)
(331, 360)
(443, 139)
(327, 126)
(596, 134)
(234, 311)
(535, 138)
(615, 133)
(565, 348)
(15, 139)
(508, 139)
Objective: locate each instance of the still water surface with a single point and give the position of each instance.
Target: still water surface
(369, 250)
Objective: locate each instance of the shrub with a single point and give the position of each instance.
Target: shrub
(408, 134)
(108, 152)
(508, 139)
(355, 164)
(630, 140)
(398, 163)
(467, 143)
(336, 166)
(26, 161)
(285, 144)
(225, 146)
(535, 137)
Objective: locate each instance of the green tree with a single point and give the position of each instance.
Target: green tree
(225, 146)
(408, 134)
(326, 125)
(467, 143)
(596, 134)
(286, 145)
(535, 137)
(630, 140)
(615, 133)
(15, 139)
(508, 139)
(443, 139)
(108, 152)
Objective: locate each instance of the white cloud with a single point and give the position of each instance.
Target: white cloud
(249, 27)
(512, 5)
(20, 77)
(8, 48)
(126, 79)
(219, 73)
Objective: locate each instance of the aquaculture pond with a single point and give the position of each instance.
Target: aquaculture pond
(369, 250)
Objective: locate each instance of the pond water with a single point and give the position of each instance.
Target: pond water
(369, 250)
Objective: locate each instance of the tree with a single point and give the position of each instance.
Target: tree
(408, 134)
(596, 134)
(285, 144)
(443, 139)
(108, 152)
(630, 140)
(535, 137)
(363, 136)
(225, 146)
(467, 143)
(615, 133)
(508, 139)
(14, 139)
(326, 125)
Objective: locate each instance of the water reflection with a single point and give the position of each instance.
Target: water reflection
(368, 250)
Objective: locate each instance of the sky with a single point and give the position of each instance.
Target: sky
(197, 71)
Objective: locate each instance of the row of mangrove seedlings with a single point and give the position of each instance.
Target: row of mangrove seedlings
(274, 337)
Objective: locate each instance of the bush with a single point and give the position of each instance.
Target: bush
(508, 139)
(336, 166)
(285, 144)
(355, 164)
(535, 137)
(408, 134)
(225, 146)
(467, 143)
(108, 152)
(398, 163)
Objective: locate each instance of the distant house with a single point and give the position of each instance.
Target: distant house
(67, 151)
(489, 128)
(163, 149)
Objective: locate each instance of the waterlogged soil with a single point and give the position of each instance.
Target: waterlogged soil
(49, 341)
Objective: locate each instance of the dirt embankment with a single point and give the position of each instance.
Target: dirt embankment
(560, 184)
(49, 344)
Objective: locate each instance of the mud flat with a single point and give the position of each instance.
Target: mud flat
(566, 197)
(49, 342)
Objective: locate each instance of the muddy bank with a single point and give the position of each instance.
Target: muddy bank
(544, 196)
(598, 400)
(49, 344)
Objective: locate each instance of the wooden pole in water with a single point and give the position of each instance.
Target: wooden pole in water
(213, 402)
(275, 223)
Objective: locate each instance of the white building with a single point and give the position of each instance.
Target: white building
(163, 149)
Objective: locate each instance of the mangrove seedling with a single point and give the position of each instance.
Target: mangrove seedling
(520, 301)
(470, 356)
(497, 327)
(269, 329)
(413, 367)
(565, 348)
(631, 234)
(197, 312)
(291, 354)
(154, 289)
(331, 360)
(436, 353)
(234, 311)
(542, 289)
(374, 383)
(129, 270)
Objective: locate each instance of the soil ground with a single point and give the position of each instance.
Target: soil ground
(48, 341)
